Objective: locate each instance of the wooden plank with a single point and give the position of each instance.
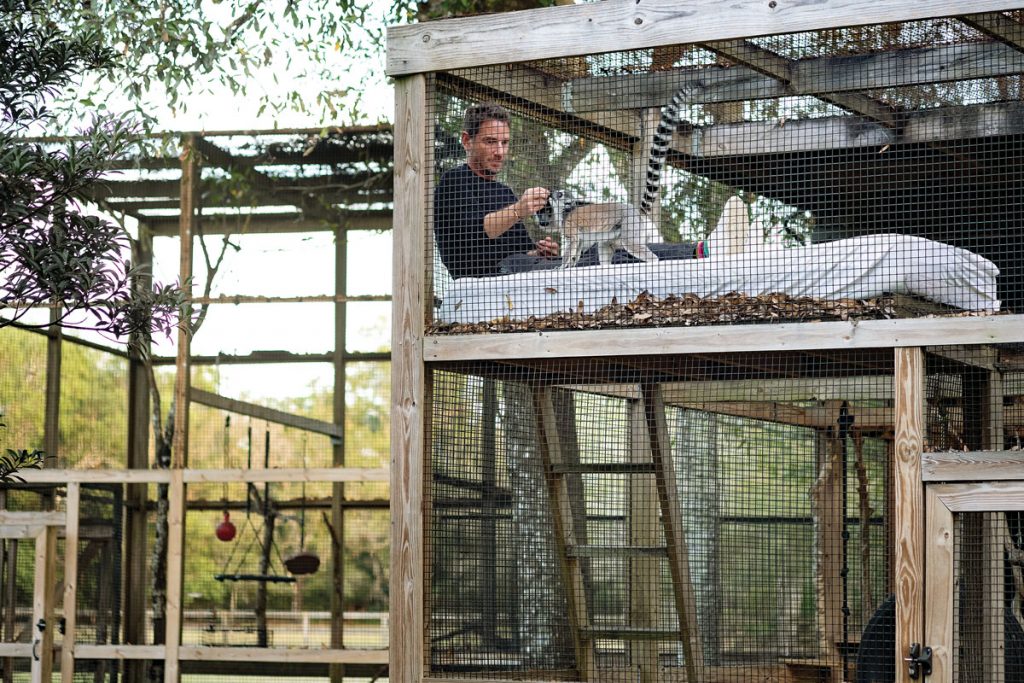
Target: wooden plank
(908, 522)
(55, 476)
(290, 655)
(864, 334)
(45, 518)
(308, 424)
(993, 611)
(339, 384)
(16, 650)
(880, 70)
(408, 385)
(617, 25)
(939, 586)
(998, 26)
(982, 497)
(552, 457)
(972, 466)
(850, 132)
(70, 605)
(644, 580)
(175, 574)
(685, 601)
(857, 388)
(780, 68)
(42, 606)
(119, 652)
(190, 175)
(826, 497)
(787, 413)
(279, 223)
(290, 474)
(21, 531)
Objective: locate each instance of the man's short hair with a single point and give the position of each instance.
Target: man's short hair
(479, 113)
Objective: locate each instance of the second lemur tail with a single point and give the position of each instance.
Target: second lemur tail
(670, 120)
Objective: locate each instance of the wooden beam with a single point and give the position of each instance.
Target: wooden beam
(273, 475)
(119, 652)
(263, 413)
(880, 70)
(280, 222)
(846, 132)
(939, 586)
(972, 466)
(998, 26)
(70, 604)
(865, 334)
(619, 25)
(277, 654)
(175, 575)
(408, 385)
(644, 569)
(781, 69)
(999, 496)
(237, 299)
(798, 416)
(909, 492)
(42, 606)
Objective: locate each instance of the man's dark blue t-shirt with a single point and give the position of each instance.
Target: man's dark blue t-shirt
(461, 200)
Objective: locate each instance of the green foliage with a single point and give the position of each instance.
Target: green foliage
(12, 460)
(50, 250)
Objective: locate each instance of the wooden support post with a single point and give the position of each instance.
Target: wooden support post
(136, 526)
(675, 538)
(644, 575)
(71, 527)
(175, 566)
(409, 412)
(550, 448)
(826, 497)
(10, 589)
(337, 671)
(43, 627)
(190, 172)
(909, 494)
(939, 586)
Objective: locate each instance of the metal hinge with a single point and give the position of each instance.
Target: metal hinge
(919, 663)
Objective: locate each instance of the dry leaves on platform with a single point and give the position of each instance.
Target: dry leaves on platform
(690, 310)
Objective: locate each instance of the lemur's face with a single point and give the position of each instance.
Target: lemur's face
(552, 215)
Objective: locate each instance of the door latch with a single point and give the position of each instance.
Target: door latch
(919, 663)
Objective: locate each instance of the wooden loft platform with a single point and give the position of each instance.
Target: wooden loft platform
(264, 181)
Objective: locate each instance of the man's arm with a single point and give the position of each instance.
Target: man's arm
(497, 223)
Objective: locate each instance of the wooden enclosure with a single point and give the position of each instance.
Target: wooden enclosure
(937, 389)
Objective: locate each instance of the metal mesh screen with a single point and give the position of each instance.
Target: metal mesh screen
(988, 635)
(635, 517)
(824, 175)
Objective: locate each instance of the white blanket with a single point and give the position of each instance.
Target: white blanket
(856, 268)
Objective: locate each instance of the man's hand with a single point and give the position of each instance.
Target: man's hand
(532, 201)
(545, 247)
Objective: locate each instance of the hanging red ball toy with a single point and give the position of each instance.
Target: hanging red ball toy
(226, 529)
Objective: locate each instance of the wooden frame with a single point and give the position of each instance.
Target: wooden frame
(420, 54)
(942, 502)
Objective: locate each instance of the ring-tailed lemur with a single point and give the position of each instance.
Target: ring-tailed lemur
(615, 224)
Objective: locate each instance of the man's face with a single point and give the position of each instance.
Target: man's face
(485, 152)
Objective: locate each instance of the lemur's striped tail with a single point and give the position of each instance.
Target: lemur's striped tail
(670, 120)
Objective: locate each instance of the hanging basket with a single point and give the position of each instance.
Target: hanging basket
(302, 563)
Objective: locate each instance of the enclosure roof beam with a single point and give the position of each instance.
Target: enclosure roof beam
(256, 223)
(616, 25)
(782, 69)
(848, 132)
(889, 69)
(998, 26)
(259, 412)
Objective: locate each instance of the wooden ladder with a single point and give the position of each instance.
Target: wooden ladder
(655, 537)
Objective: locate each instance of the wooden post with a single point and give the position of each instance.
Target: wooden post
(644, 575)
(685, 601)
(909, 493)
(175, 557)
(939, 586)
(337, 671)
(43, 626)
(133, 584)
(71, 526)
(409, 447)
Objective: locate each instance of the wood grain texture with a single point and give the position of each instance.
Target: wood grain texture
(973, 466)
(670, 340)
(175, 575)
(407, 627)
(644, 525)
(190, 194)
(308, 424)
(982, 497)
(296, 655)
(888, 69)
(69, 610)
(908, 522)
(630, 24)
(938, 625)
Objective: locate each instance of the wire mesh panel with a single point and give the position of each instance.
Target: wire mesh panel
(826, 175)
(654, 517)
(987, 604)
